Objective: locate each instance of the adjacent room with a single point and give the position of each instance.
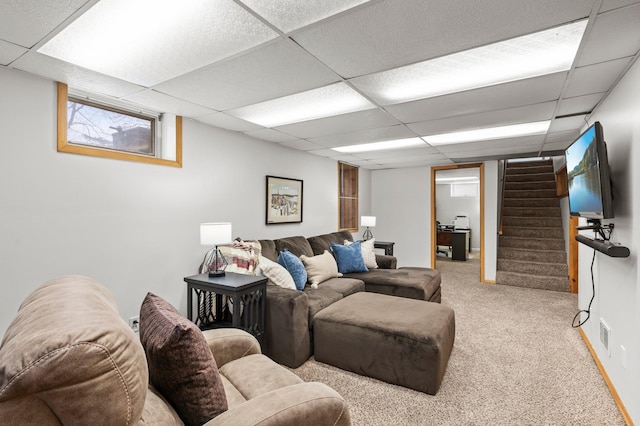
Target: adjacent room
(383, 212)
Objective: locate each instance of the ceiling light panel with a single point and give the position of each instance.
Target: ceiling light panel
(310, 105)
(289, 15)
(501, 132)
(380, 146)
(537, 54)
(150, 41)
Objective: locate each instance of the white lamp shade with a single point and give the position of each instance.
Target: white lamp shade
(213, 234)
(367, 221)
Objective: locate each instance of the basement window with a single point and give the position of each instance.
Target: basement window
(91, 127)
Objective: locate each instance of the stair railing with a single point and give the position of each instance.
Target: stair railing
(504, 181)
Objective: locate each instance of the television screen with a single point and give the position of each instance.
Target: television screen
(588, 175)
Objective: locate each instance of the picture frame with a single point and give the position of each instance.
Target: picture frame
(284, 198)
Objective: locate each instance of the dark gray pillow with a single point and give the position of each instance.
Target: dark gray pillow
(181, 366)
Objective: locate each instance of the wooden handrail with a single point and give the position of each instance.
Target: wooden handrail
(504, 180)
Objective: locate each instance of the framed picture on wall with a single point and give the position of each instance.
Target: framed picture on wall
(284, 200)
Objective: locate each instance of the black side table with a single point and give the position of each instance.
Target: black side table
(248, 294)
(386, 245)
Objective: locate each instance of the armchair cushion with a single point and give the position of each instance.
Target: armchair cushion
(181, 365)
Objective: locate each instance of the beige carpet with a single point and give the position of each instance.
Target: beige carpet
(516, 361)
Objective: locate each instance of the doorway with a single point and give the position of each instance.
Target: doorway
(458, 174)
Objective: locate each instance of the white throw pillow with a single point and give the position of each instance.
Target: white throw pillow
(320, 268)
(276, 273)
(368, 252)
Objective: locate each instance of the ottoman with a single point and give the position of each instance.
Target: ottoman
(401, 341)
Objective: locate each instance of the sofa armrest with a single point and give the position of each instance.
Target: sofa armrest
(386, 262)
(227, 344)
(287, 326)
(305, 403)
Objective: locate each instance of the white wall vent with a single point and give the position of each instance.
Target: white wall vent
(605, 336)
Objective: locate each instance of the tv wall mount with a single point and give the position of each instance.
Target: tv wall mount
(601, 244)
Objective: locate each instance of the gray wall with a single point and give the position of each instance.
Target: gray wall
(132, 226)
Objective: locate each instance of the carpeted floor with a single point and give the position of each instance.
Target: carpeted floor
(516, 361)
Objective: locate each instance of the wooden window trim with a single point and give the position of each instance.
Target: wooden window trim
(65, 146)
(356, 198)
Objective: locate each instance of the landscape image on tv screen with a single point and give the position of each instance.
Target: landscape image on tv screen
(583, 175)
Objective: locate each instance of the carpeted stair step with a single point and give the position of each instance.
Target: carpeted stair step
(532, 281)
(531, 177)
(534, 268)
(534, 193)
(529, 232)
(527, 186)
(531, 202)
(532, 211)
(529, 163)
(529, 170)
(532, 243)
(544, 222)
(549, 256)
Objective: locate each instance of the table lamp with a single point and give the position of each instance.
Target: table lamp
(368, 221)
(214, 234)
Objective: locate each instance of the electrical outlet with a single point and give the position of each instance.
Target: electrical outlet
(134, 323)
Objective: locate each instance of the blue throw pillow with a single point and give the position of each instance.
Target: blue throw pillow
(294, 266)
(349, 258)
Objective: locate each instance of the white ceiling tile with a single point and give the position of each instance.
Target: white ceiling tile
(270, 135)
(26, 22)
(344, 158)
(76, 77)
(578, 104)
(504, 117)
(302, 145)
(326, 152)
(605, 43)
(277, 69)
(530, 91)
(171, 42)
(9, 52)
(567, 135)
(166, 103)
(595, 78)
(567, 123)
(288, 15)
(488, 147)
(415, 30)
(365, 136)
(556, 146)
(345, 123)
(226, 121)
(614, 4)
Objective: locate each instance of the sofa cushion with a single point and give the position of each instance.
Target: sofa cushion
(320, 243)
(319, 298)
(297, 245)
(276, 273)
(181, 365)
(294, 266)
(413, 283)
(268, 249)
(344, 286)
(320, 268)
(349, 258)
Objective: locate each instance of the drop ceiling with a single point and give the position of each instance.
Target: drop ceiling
(248, 54)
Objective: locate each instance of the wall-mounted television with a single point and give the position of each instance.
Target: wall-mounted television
(588, 175)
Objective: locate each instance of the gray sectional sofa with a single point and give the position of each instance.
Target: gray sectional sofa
(290, 313)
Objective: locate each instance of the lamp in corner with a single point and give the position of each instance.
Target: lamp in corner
(368, 221)
(214, 234)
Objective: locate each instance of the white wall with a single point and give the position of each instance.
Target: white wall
(132, 226)
(448, 207)
(401, 201)
(617, 299)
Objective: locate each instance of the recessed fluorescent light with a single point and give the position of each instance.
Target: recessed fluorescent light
(323, 102)
(523, 57)
(378, 146)
(150, 41)
(512, 131)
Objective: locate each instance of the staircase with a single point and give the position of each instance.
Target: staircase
(531, 248)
